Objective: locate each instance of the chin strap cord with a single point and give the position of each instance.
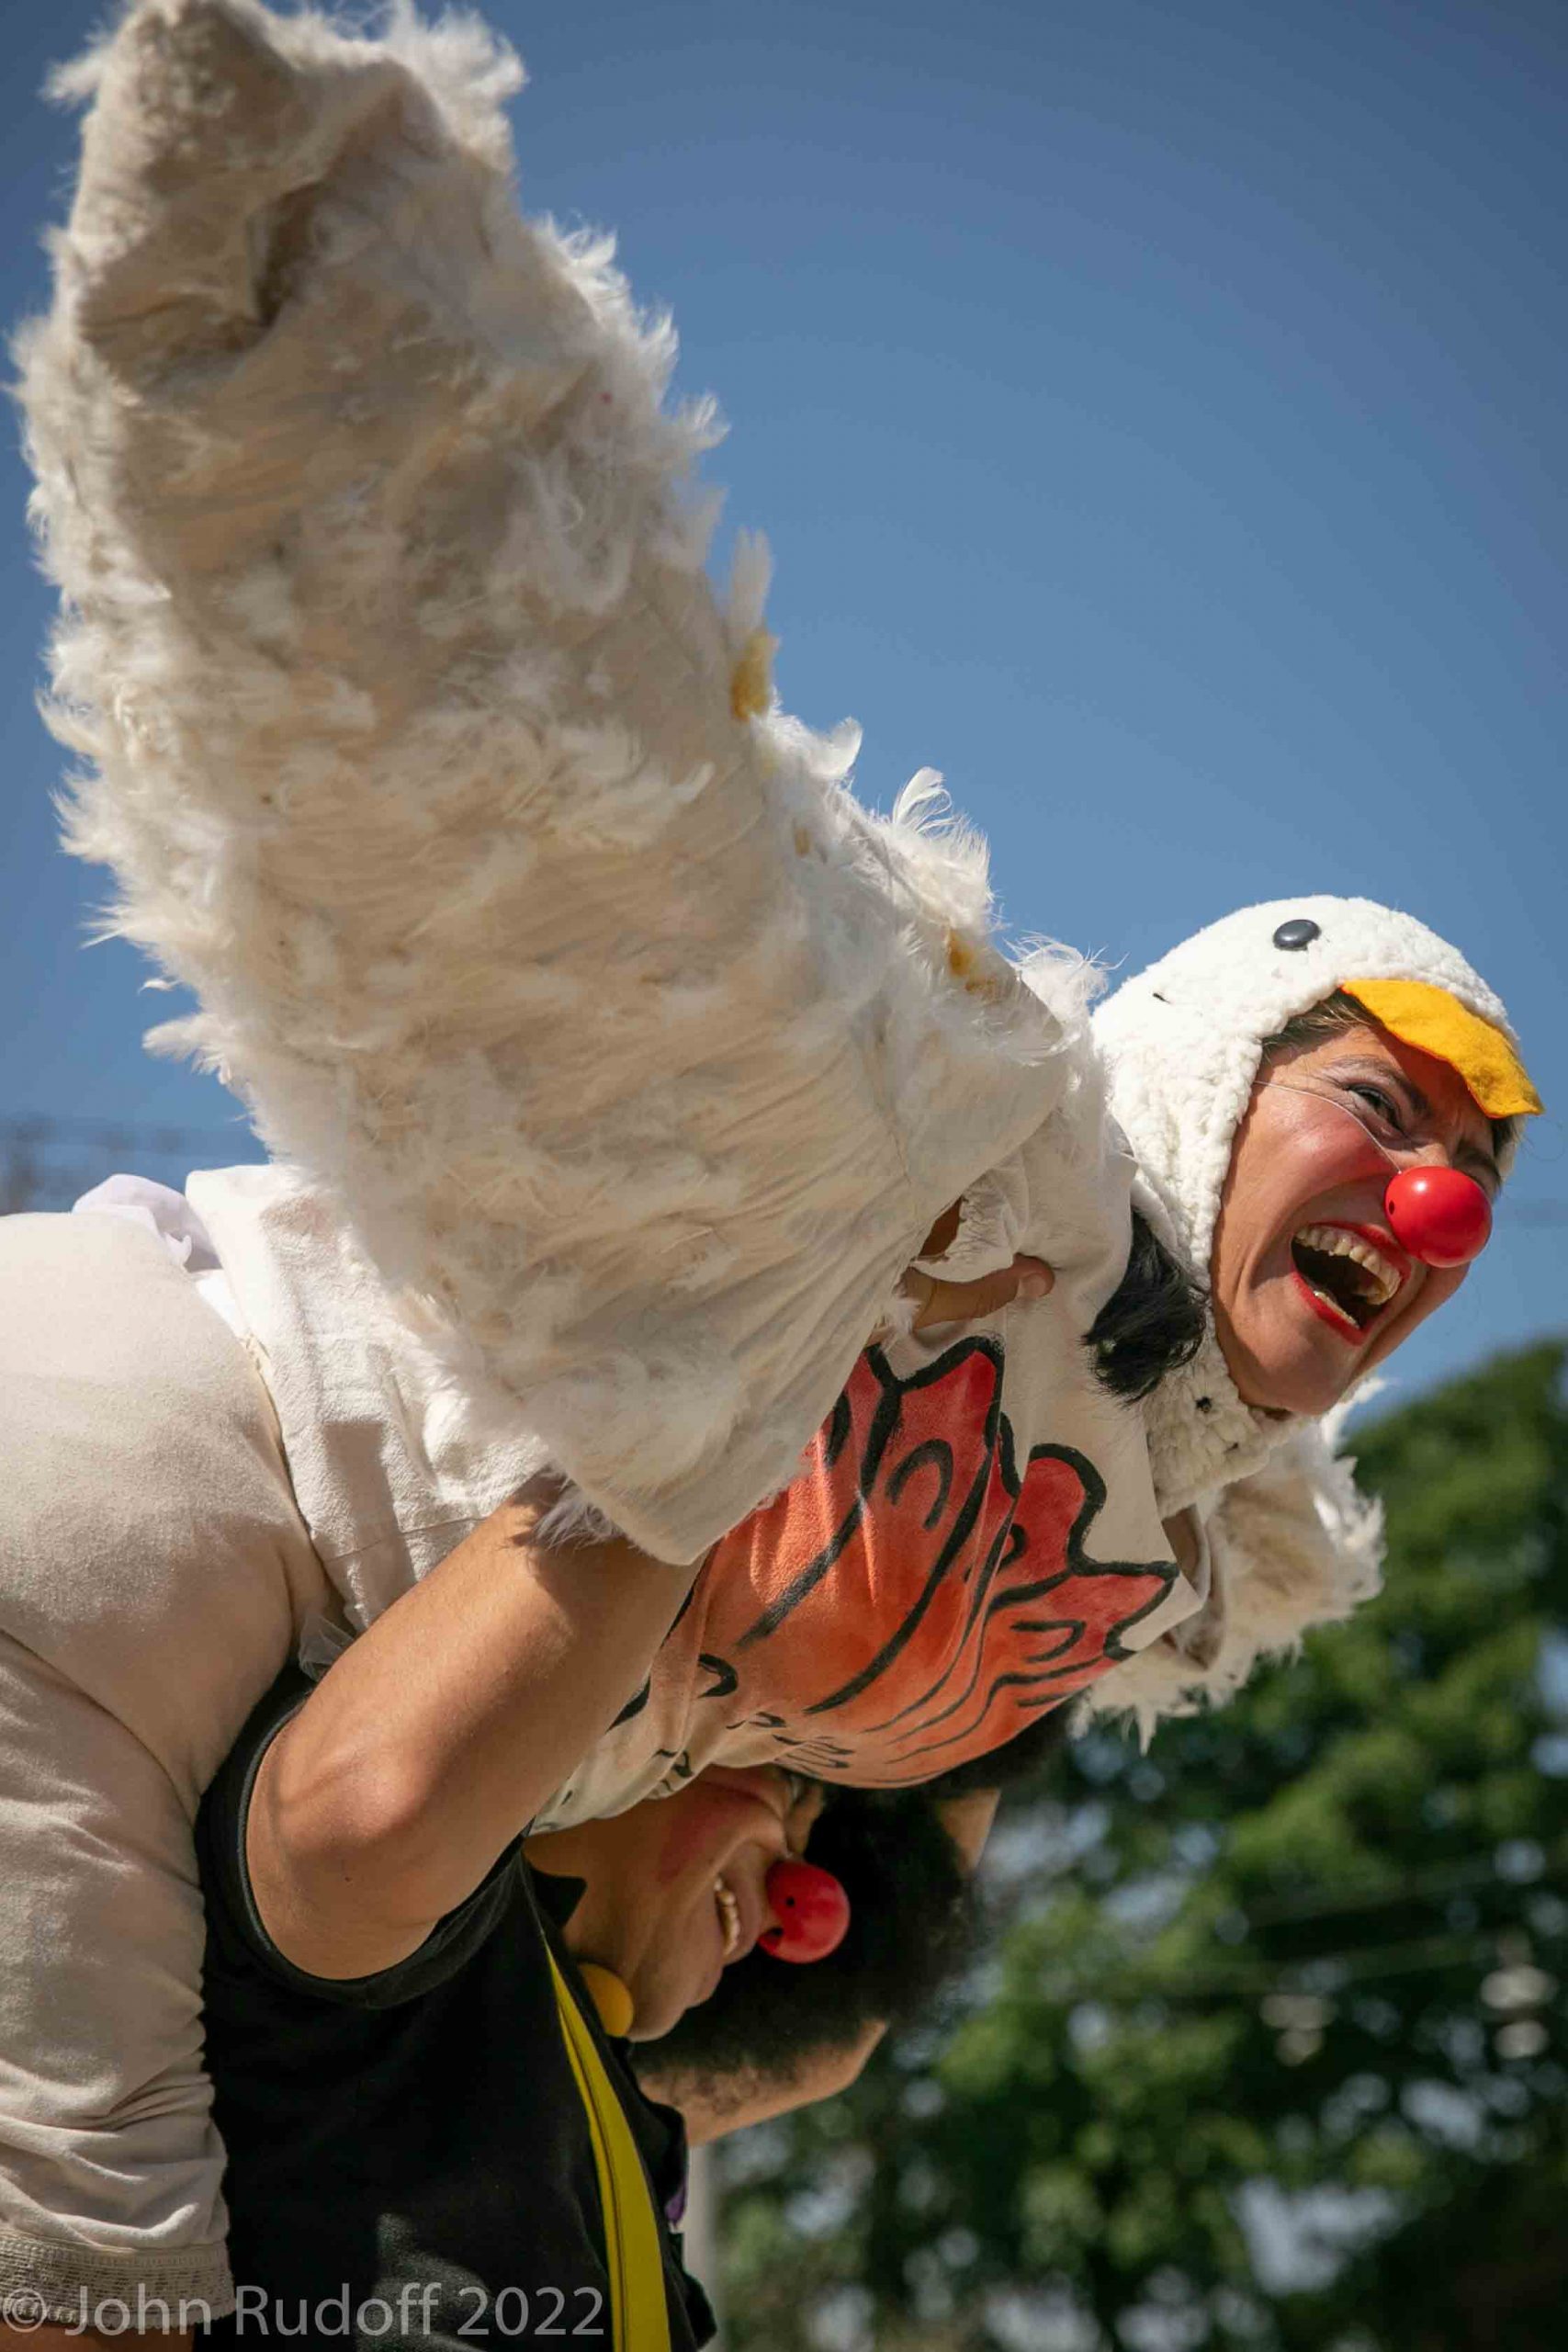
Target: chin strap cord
(639, 2313)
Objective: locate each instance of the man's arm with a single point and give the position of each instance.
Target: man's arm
(432, 1741)
(436, 1737)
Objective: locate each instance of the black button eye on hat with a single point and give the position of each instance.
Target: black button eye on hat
(1300, 931)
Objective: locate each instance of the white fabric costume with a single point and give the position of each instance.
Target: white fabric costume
(620, 1060)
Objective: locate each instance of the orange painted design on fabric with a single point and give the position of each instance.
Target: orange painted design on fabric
(913, 1598)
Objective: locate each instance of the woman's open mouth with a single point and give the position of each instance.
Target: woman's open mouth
(1348, 1275)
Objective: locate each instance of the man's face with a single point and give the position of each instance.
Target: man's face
(676, 1887)
(1310, 1287)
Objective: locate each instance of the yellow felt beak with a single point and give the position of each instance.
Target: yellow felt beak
(1436, 1022)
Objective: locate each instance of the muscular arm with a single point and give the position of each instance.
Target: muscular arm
(434, 1739)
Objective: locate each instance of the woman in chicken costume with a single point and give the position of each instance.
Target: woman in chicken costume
(615, 1065)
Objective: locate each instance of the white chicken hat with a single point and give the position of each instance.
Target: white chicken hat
(1294, 1543)
(1184, 1037)
(1183, 1040)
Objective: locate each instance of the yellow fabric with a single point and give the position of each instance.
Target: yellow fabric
(1436, 1022)
(751, 681)
(609, 1997)
(639, 2315)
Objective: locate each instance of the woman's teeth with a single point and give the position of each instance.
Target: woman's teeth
(1362, 1281)
(1334, 1242)
(729, 1916)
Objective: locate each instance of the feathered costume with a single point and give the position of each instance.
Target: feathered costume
(424, 756)
(617, 1061)
(628, 1060)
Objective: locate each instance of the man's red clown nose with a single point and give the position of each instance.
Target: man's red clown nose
(811, 1912)
(1439, 1215)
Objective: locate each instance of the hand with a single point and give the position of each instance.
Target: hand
(937, 1302)
(432, 1740)
(940, 1302)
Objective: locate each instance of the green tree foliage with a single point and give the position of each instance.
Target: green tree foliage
(1268, 2049)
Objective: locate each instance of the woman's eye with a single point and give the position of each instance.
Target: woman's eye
(1384, 1104)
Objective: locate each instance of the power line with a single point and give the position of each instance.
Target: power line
(115, 1134)
(46, 1162)
(1250, 1980)
(1447, 1878)
(1364, 1964)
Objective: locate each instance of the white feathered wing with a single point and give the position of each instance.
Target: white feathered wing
(639, 1055)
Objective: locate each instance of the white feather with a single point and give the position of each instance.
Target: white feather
(414, 738)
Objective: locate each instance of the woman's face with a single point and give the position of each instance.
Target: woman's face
(1310, 1286)
(675, 1887)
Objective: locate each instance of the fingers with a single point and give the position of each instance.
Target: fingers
(937, 1302)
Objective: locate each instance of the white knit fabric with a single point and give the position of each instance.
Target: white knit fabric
(1183, 1038)
(1294, 1544)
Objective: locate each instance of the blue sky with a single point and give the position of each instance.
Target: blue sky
(1156, 412)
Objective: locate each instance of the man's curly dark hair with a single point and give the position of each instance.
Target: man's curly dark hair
(915, 1920)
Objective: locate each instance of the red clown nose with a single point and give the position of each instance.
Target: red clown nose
(1440, 1215)
(811, 1912)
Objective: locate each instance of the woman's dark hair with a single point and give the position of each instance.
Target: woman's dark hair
(1152, 1321)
